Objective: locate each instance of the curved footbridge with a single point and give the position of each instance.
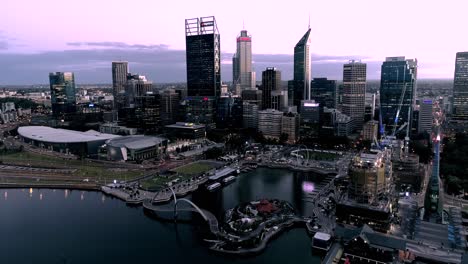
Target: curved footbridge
(189, 207)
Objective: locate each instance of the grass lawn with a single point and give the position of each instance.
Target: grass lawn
(155, 183)
(194, 168)
(319, 155)
(84, 169)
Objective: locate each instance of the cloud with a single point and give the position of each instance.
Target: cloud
(3, 45)
(118, 45)
(157, 62)
(3, 41)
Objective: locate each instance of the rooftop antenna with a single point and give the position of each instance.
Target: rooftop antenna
(243, 24)
(309, 20)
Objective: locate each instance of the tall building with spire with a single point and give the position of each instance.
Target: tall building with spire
(302, 68)
(242, 73)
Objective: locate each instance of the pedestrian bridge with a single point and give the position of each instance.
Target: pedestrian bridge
(184, 205)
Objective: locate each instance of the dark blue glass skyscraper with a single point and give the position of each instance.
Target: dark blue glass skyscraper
(62, 93)
(397, 92)
(302, 65)
(203, 53)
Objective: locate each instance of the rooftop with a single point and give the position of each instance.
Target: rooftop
(322, 236)
(58, 135)
(185, 125)
(135, 142)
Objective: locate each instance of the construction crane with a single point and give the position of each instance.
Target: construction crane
(402, 97)
(407, 124)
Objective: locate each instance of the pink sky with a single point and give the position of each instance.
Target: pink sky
(432, 31)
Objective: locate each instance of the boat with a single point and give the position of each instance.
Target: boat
(229, 179)
(213, 186)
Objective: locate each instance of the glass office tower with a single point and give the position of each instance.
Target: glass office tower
(460, 88)
(397, 92)
(203, 54)
(62, 93)
(302, 66)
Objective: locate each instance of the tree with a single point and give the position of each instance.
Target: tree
(213, 153)
(283, 138)
(424, 152)
(453, 185)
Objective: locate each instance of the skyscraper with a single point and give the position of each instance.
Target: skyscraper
(397, 92)
(302, 66)
(425, 116)
(324, 92)
(119, 80)
(242, 73)
(460, 88)
(203, 54)
(62, 93)
(271, 81)
(136, 85)
(354, 92)
(169, 106)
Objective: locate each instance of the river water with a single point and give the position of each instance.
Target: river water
(63, 226)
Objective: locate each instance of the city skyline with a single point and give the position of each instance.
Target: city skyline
(87, 46)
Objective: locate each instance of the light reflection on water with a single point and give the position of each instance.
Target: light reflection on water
(104, 215)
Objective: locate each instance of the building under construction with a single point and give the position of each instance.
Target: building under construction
(370, 191)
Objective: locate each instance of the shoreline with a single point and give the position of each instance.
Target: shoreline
(50, 186)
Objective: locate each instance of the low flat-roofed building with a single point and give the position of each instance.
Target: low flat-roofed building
(64, 140)
(115, 129)
(135, 148)
(186, 130)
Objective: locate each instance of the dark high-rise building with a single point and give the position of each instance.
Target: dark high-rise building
(324, 92)
(397, 92)
(253, 96)
(169, 106)
(460, 88)
(119, 80)
(242, 73)
(271, 81)
(136, 85)
(148, 112)
(229, 112)
(200, 110)
(354, 92)
(302, 67)
(62, 93)
(203, 54)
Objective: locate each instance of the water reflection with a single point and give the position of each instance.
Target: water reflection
(6, 195)
(308, 187)
(182, 243)
(295, 188)
(40, 196)
(30, 192)
(82, 195)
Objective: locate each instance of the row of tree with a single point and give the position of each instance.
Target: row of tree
(454, 163)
